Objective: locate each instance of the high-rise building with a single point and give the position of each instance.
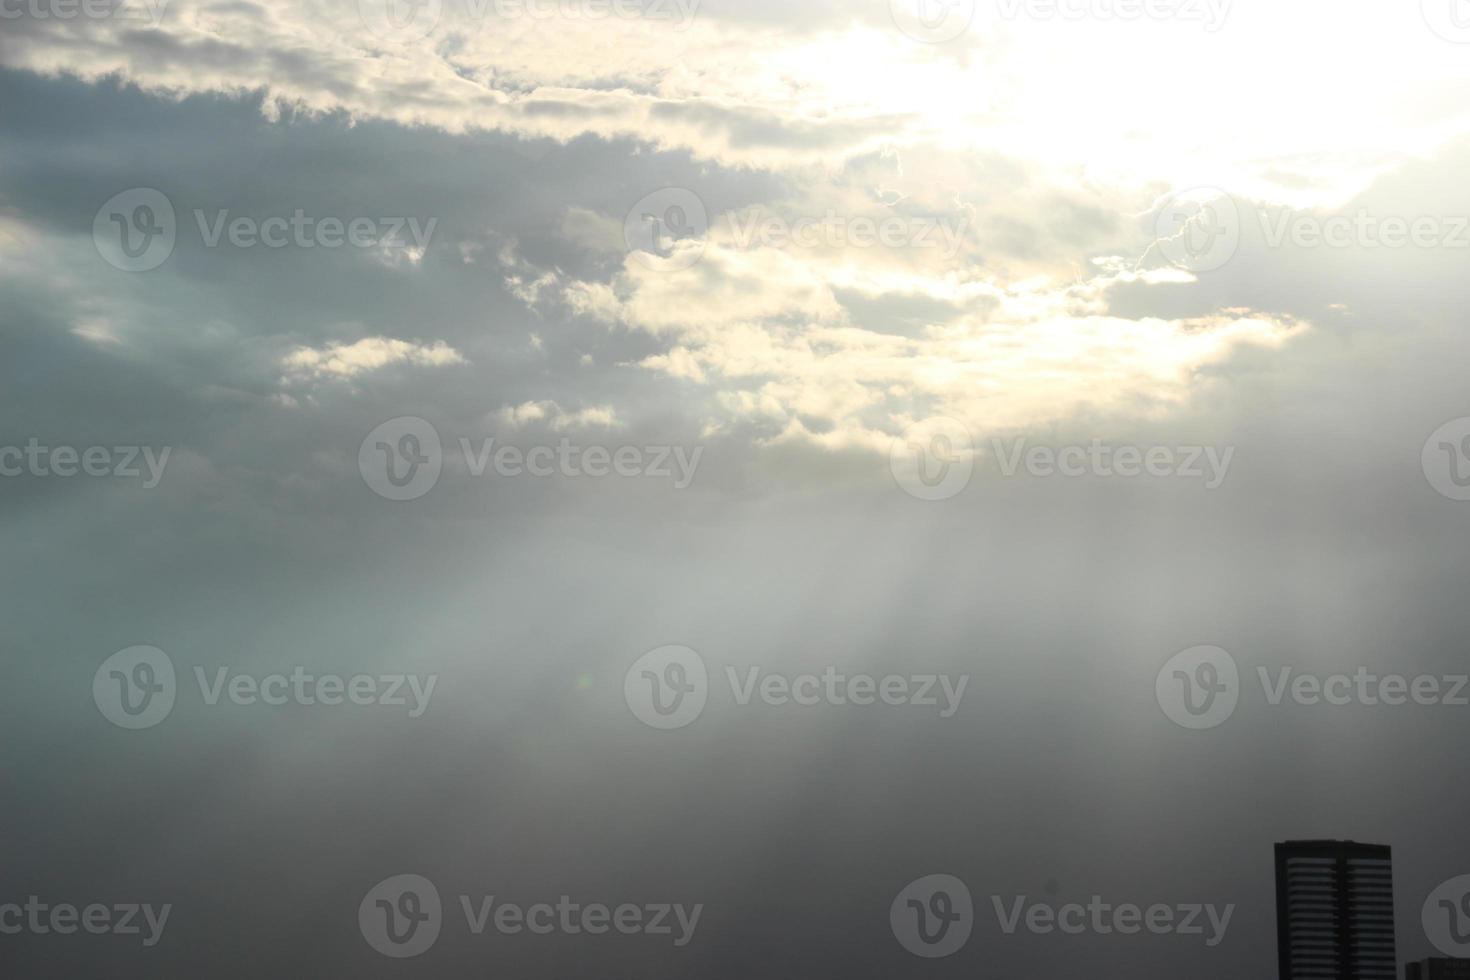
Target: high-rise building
(1440, 968)
(1334, 911)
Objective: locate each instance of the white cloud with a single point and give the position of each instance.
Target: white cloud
(764, 334)
(1169, 94)
(557, 418)
(343, 361)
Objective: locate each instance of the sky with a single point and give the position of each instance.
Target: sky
(577, 377)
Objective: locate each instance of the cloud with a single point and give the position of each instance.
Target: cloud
(556, 418)
(793, 367)
(764, 334)
(821, 88)
(344, 361)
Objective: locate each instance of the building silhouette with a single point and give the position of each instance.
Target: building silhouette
(1441, 968)
(1334, 911)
